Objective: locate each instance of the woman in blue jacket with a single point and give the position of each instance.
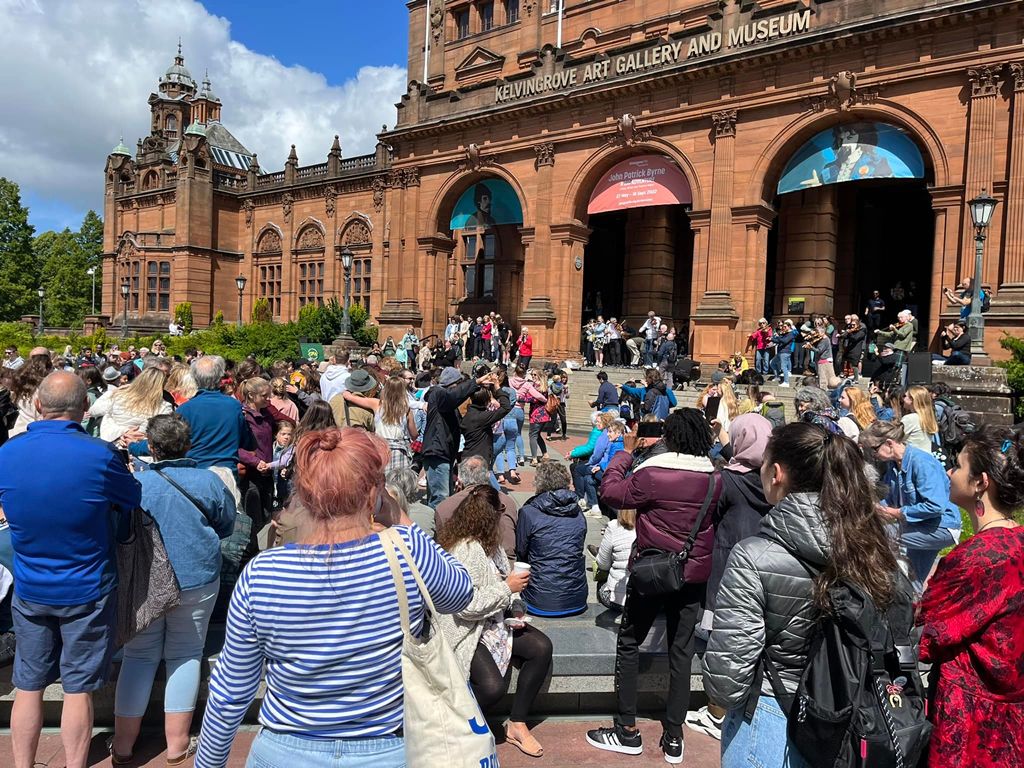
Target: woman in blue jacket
(587, 475)
(918, 497)
(549, 536)
(655, 382)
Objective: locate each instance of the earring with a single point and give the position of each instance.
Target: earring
(979, 506)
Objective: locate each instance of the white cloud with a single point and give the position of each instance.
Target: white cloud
(76, 75)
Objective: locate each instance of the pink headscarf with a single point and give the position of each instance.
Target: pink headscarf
(748, 435)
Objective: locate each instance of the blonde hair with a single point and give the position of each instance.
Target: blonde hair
(254, 386)
(394, 402)
(144, 395)
(860, 406)
(627, 518)
(922, 405)
(729, 398)
(279, 387)
(604, 419)
(180, 381)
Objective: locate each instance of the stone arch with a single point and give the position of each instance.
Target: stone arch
(357, 229)
(310, 234)
(150, 180)
(769, 166)
(577, 194)
(457, 183)
(270, 239)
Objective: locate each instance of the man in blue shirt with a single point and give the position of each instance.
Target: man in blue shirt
(215, 419)
(64, 495)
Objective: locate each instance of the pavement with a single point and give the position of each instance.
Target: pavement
(564, 744)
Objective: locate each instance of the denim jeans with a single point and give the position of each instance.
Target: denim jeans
(761, 743)
(439, 480)
(762, 358)
(782, 364)
(178, 638)
(923, 547)
(282, 750)
(519, 415)
(585, 482)
(648, 352)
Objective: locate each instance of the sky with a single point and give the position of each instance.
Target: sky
(77, 76)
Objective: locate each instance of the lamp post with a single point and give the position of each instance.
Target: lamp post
(125, 290)
(240, 283)
(981, 215)
(345, 339)
(91, 272)
(41, 293)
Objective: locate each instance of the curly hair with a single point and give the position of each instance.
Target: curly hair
(475, 519)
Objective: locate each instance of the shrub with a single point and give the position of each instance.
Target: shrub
(261, 311)
(218, 318)
(183, 316)
(1014, 369)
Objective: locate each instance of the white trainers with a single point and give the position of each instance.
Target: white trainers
(594, 511)
(704, 722)
(784, 384)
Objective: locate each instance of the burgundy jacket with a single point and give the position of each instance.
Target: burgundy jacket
(261, 424)
(667, 491)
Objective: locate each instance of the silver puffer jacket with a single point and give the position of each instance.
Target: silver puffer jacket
(765, 602)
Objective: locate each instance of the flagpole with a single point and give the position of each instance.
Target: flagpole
(561, 5)
(426, 41)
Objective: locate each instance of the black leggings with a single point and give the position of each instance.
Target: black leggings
(531, 652)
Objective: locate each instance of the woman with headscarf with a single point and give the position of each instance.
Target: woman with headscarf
(738, 516)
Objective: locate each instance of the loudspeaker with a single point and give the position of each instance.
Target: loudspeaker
(919, 368)
(869, 366)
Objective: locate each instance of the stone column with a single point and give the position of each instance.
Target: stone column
(542, 296)
(650, 264)
(981, 130)
(1011, 288)
(565, 279)
(435, 253)
(700, 224)
(947, 205)
(717, 302)
(402, 307)
(808, 254)
(751, 225)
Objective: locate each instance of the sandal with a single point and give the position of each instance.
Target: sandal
(513, 478)
(519, 745)
(193, 744)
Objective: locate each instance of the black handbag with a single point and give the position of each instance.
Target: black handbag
(657, 572)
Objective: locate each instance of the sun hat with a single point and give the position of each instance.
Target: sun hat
(360, 381)
(110, 373)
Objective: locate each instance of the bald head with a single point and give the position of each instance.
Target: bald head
(61, 396)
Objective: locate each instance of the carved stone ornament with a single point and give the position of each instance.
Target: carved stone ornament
(528, 6)
(628, 133)
(330, 197)
(356, 233)
(379, 185)
(475, 159)
(127, 249)
(248, 206)
(310, 239)
(843, 94)
(984, 81)
(725, 123)
(1017, 73)
(269, 242)
(287, 200)
(545, 154)
(410, 177)
(436, 19)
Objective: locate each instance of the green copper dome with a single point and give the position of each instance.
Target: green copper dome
(121, 149)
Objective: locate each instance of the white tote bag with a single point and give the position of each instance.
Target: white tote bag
(443, 723)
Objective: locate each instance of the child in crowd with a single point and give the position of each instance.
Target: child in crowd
(613, 559)
(283, 453)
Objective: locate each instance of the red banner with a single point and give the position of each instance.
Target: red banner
(640, 182)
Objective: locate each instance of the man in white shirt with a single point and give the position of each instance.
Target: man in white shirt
(335, 377)
(12, 359)
(649, 330)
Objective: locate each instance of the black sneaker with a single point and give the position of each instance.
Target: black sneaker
(672, 746)
(616, 739)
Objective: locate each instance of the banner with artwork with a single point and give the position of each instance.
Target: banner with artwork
(640, 182)
(487, 203)
(853, 152)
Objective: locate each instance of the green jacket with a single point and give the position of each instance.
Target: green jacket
(902, 338)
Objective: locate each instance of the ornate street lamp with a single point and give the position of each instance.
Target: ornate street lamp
(346, 264)
(41, 293)
(982, 208)
(240, 283)
(125, 290)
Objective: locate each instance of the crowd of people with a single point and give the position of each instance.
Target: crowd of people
(738, 527)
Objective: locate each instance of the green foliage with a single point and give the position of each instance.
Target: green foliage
(365, 335)
(218, 318)
(317, 324)
(1014, 368)
(19, 273)
(63, 264)
(261, 311)
(183, 316)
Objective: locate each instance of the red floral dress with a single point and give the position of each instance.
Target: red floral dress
(973, 617)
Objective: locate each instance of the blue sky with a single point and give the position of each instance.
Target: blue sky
(295, 72)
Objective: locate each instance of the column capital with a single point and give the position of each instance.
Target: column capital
(760, 215)
(435, 243)
(1017, 73)
(984, 80)
(699, 219)
(571, 232)
(725, 123)
(947, 197)
(545, 154)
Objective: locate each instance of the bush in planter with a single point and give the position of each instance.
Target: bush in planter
(1014, 368)
(261, 311)
(183, 316)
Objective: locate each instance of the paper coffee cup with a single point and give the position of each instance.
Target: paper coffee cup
(518, 567)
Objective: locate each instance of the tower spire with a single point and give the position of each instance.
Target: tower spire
(179, 59)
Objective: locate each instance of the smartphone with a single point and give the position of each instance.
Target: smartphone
(650, 429)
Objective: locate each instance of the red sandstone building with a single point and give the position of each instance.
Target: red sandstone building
(714, 161)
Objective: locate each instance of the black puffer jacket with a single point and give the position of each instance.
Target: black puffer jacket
(741, 507)
(549, 536)
(764, 603)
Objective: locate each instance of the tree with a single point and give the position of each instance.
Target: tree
(90, 240)
(68, 288)
(19, 276)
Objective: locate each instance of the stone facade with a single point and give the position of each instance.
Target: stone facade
(726, 91)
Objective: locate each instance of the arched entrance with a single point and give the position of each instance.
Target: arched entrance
(640, 252)
(854, 217)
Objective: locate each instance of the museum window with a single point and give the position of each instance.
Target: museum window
(511, 11)
(158, 286)
(270, 287)
(133, 294)
(478, 264)
(361, 283)
(462, 24)
(486, 16)
(311, 283)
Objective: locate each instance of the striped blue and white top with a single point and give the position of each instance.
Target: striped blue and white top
(325, 621)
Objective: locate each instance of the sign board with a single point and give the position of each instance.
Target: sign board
(796, 305)
(312, 352)
(638, 182)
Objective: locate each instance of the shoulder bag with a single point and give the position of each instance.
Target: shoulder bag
(147, 586)
(657, 572)
(443, 722)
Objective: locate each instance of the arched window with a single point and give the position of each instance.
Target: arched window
(171, 126)
(150, 180)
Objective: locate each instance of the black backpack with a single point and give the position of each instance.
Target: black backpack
(986, 301)
(955, 424)
(860, 702)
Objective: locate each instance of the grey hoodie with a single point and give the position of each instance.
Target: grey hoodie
(765, 602)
